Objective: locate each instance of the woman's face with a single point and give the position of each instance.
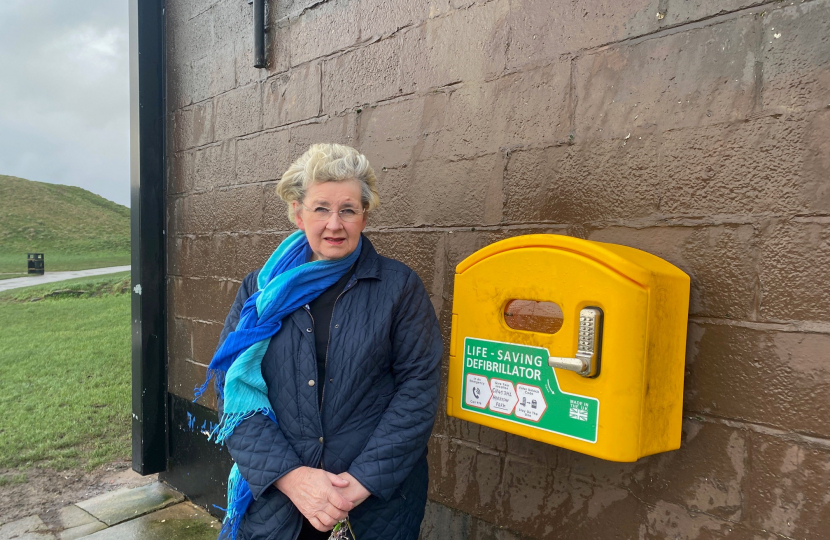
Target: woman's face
(331, 238)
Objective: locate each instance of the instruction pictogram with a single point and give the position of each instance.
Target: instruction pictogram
(478, 391)
(532, 402)
(504, 396)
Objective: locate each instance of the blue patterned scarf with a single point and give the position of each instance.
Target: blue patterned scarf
(286, 283)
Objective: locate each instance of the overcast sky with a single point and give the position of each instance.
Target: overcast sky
(64, 93)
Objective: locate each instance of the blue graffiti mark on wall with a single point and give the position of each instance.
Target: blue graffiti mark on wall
(191, 422)
(207, 427)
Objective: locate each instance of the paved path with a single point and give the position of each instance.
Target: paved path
(50, 277)
(151, 512)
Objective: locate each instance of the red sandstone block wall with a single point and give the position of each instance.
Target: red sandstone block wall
(695, 130)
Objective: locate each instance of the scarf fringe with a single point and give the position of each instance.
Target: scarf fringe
(219, 385)
(229, 422)
(239, 498)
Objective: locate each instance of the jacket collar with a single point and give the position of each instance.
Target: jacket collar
(368, 262)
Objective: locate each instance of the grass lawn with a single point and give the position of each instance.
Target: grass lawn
(65, 374)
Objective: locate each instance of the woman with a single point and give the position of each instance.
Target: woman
(328, 367)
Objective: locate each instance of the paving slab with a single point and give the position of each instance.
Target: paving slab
(182, 521)
(45, 535)
(26, 528)
(81, 531)
(118, 506)
(71, 516)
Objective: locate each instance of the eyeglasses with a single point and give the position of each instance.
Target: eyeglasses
(321, 213)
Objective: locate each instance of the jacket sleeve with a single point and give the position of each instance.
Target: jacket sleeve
(257, 445)
(404, 429)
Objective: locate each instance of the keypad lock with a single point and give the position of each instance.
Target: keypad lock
(589, 344)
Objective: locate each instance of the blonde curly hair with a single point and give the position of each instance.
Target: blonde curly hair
(328, 163)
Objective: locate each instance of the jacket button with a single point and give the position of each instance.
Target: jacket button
(321, 440)
(311, 382)
(308, 329)
(337, 326)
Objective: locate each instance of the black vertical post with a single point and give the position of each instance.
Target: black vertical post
(147, 187)
(259, 33)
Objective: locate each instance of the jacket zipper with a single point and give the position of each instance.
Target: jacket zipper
(326, 362)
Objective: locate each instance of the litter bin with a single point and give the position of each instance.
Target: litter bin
(36, 263)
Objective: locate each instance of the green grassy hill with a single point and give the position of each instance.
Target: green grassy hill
(75, 229)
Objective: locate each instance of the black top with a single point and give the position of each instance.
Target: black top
(321, 309)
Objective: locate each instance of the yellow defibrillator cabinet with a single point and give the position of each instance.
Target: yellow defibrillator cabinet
(575, 343)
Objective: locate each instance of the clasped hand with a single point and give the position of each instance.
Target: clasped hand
(322, 497)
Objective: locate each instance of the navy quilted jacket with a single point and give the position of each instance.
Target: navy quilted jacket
(379, 404)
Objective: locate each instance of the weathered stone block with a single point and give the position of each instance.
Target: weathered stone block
(274, 210)
(290, 8)
(189, 32)
(707, 474)
(292, 96)
(795, 270)
(441, 522)
(204, 299)
(364, 75)
(239, 208)
(238, 112)
(230, 20)
(796, 58)
(395, 208)
(184, 376)
(721, 260)
(698, 77)
(666, 520)
(589, 512)
(213, 166)
(530, 450)
(262, 157)
(767, 377)
(765, 166)
(684, 11)
(221, 69)
(383, 17)
(198, 79)
(179, 343)
(324, 28)
(787, 492)
(336, 129)
(417, 250)
(541, 31)
(437, 200)
(523, 109)
(522, 496)
(180, 172)
(597, 181)
(187, 9)
(252, 250)
(193, 126)
(192, 214)
(454, 479)
(276, 56)
(466, 45)
(205, 340)
(394, 134)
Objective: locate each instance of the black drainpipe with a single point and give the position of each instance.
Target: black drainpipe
(259, 34)
(147, 222)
